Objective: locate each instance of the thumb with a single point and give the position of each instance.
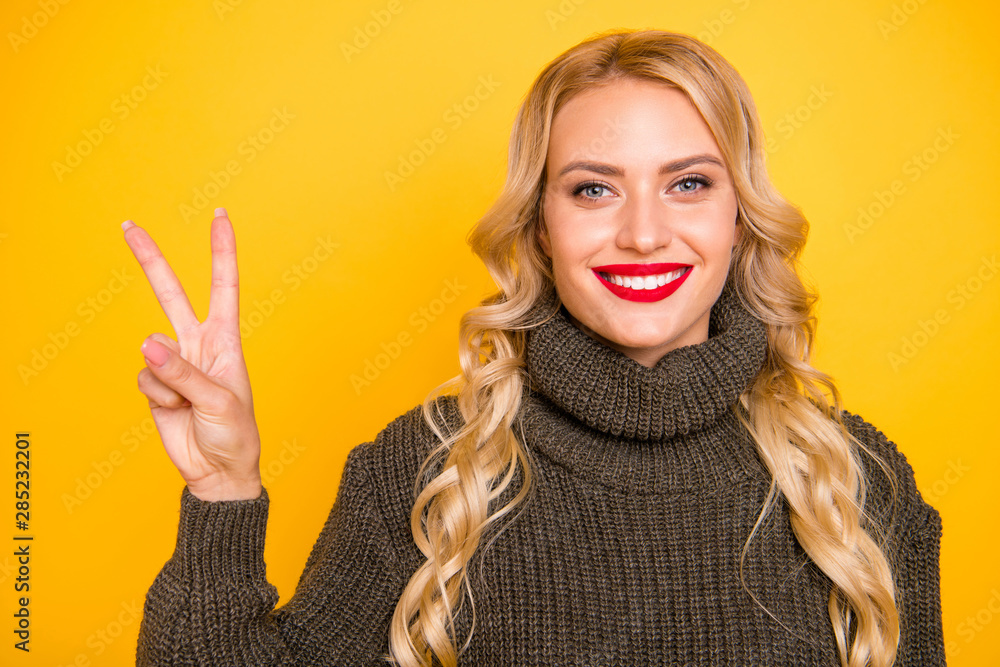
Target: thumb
(165, 362)
(167, 342)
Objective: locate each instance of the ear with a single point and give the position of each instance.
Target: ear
(543, 238)
(738, 231)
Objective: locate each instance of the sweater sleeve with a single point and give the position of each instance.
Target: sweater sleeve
(211, 604)
(914, 545)
(918, 587)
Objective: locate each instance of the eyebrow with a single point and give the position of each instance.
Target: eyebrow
(665, 168)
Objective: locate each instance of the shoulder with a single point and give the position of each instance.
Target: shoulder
(891, 485)
(388, 465)
(405, 442)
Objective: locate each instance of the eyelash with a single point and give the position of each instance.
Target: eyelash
(701, 180)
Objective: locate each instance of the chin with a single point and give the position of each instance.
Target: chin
(642, 342)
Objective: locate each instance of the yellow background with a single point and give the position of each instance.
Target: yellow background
(849, 93)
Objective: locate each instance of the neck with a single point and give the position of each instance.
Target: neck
(645, 356)
(604, 416)
(686, 388)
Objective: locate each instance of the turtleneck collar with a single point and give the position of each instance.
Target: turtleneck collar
(688, 389)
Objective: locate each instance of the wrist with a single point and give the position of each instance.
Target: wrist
(206, 534)
(218, 489)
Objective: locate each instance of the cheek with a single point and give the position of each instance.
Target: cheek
(713, 243)
(573, 244)
(551, 233)
(720, 249)
(718, 231)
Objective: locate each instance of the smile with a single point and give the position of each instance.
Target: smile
(643, 282)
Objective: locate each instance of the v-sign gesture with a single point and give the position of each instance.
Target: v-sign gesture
(197, 386)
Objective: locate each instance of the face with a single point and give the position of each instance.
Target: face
(639, 214)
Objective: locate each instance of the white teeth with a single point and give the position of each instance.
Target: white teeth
(644, 282)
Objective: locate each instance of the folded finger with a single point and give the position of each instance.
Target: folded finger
(171, 369)
(159, 394)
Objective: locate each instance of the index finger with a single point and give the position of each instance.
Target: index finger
(167, 288)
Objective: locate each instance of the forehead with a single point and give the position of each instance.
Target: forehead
(629, 121)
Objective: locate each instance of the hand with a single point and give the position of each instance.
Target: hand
(197, 386)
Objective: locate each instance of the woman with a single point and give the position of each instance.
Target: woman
(637, 463)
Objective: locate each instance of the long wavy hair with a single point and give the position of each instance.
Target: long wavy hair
(792, 410)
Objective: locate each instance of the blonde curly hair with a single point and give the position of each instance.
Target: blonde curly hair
(792, 410)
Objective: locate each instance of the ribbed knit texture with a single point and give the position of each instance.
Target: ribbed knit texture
(626, 553)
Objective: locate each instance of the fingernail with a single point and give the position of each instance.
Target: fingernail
(221, 213)
(156, 354)
(127, 224)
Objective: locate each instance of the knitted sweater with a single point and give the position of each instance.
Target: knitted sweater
(626, 553)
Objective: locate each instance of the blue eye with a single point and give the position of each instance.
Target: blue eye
(594, 190)
(691, 183)
(591, 190)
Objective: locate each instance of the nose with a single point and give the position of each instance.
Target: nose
(644, 224)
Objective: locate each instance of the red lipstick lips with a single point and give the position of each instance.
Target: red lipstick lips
(645, 295)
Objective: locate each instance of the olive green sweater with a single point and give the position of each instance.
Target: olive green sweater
(627, 552)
